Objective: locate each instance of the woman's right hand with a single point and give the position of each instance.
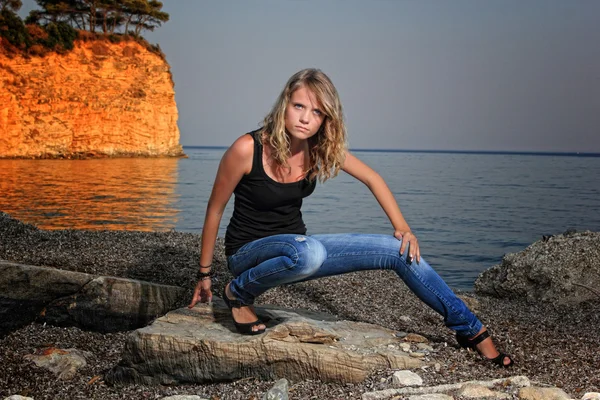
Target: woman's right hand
(202, 292)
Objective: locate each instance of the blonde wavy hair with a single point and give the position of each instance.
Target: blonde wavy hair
(328, 146)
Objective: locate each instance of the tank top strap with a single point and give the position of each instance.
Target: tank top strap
(257, 157)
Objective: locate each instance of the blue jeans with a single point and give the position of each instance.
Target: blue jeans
(282, 259)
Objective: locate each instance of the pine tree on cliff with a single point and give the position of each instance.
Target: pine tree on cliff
(11, 26)
(107, 15)
(11, 5)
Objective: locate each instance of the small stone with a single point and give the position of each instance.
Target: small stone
(591, 396)
(417, 354)
(400, 334)
(432, 396)
(184, 397)
(382, 380)
(279, 391)
(391, 346)
(405, 318)
(63, 363)
(405, 347)
(416, 338)
(542, 393)
(18, 397)
(424, 346)
(472, 390)
(406, 378)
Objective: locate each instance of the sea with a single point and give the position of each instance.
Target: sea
(468, 209)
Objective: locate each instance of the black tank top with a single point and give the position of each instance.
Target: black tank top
(264, 207)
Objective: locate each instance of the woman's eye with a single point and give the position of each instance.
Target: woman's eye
(318, 113)
(298, 106)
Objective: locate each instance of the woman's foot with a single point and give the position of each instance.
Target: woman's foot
(244, 317)
(482, 342)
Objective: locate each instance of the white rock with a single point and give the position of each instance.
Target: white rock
(542, 393)
(437, 367)
(474, 391)
(18, 397)
(591, 396)
(279, 391)
(406, 378)
(184, 397)
(405, 347)
(432, 396)
(405, 318)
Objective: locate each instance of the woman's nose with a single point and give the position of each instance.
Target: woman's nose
(304, 117)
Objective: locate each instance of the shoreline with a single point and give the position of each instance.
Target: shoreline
(554, 345)
(92, 155)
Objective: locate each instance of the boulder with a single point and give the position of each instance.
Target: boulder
(109, 304)
(561, 269)
(68, 298)
(25, 290)
(201, 345)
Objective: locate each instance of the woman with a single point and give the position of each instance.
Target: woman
(270, 171)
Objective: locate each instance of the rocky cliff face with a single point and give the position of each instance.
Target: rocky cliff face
(100, 99)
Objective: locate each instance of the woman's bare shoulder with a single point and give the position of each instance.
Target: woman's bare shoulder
(240, 153)
(243, 146)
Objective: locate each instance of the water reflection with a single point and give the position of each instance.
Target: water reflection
(125, 193)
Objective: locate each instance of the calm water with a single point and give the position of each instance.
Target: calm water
(468, 210)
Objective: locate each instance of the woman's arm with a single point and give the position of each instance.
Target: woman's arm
(386, 200)
(236, 162)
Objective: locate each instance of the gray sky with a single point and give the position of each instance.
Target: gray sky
(439, 75)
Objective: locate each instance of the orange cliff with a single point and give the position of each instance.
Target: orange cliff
(100, 99)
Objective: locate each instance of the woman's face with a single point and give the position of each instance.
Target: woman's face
(303, 114)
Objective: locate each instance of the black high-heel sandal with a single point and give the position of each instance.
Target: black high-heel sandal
(246, 327)
(465, 342)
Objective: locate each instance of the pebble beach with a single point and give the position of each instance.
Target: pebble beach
(552, 345)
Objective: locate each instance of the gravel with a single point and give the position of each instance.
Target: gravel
(555, 345)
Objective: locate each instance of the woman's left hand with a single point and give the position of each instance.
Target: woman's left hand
(408, 238)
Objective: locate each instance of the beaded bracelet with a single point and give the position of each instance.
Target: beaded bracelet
(203, 275)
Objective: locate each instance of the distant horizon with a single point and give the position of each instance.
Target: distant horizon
(490, 152)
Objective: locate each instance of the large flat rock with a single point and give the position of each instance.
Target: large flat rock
(201, 345)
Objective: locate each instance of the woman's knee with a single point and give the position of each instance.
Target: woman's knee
(310, 254)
